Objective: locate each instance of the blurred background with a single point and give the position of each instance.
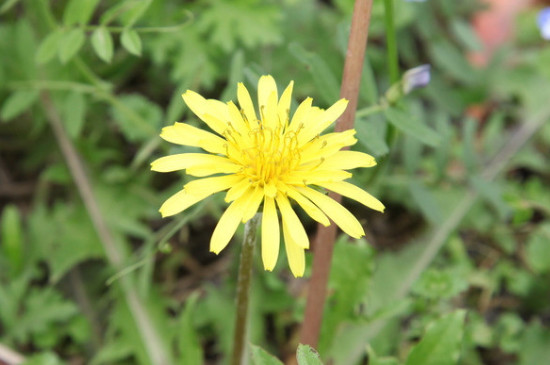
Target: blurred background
(91, 274)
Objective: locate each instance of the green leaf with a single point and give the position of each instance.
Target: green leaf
(412, 127)
(261, 357)
(307, 356)
(17, 103)
(426, 202)
(131, 41)
(452, 60)
(49, 47)
(103, 44)
(538, 249)
(466, 35)
(74, 110)
(137, 117)
(7, 5)
(492, 193)
(70, 44)
(441, 343)
(324, 78)
(190, 349)
(79, 12)
(535, 345)
(11, 238)
(370, 133)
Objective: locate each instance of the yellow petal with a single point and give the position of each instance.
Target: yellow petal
(219, 109)
(211, 185)
(295, 254)
(311, 209)
(253, 204)
(296, 229)
(345, 160)
(200, 106)
(215, 122)
(269, 114)
(326, 145)
(266, 87)
(246, 105)
(227, 225)
(353, 192)
(270, 234)
(315, 176)
(178, 203)
(237, 190)
(300, 114)
(320, 122)
(283, 109)
(187, 160)
(335, 211)
(187, 135)
(237, 120)
(219, 167)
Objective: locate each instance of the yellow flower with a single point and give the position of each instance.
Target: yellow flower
(271, 159)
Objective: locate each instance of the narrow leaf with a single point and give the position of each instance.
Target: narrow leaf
(411, 126)
(17, 103)
(103, 44)
(131, 41)
(70, 44)
(49, 46)
(79, 11)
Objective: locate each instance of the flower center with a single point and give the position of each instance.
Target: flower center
(272, 154)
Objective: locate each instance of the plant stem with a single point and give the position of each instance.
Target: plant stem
(393, 61)
(324, 242)
(243, 290)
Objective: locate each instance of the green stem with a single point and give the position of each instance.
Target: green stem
(243, 290)
(393, 62)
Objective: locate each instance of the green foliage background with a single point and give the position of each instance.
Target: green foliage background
(456, 271)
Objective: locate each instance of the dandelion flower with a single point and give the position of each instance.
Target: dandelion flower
(268, 162)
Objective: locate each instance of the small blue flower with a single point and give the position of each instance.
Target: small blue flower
(416, 78)
(543, 21)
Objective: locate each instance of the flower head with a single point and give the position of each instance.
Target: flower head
(543, 21)
(267, 161)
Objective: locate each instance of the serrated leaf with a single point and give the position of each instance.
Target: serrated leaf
(103, 44)
(441, 343)
(74, 110)
(259, 356)
(70, 44)
(17, 103)
(306, 355)
(79, 11)
(413, 127)
(131, 41)
(49, 47)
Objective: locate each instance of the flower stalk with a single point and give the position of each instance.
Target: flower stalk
(243, 291)
(326, 236)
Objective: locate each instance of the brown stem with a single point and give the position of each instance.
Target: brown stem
(324, 242)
